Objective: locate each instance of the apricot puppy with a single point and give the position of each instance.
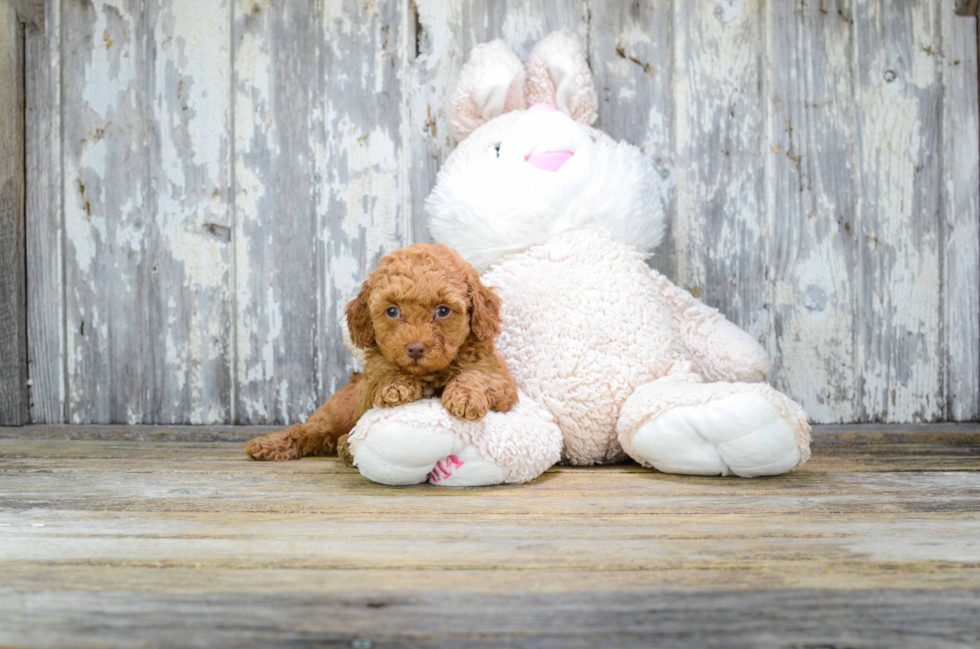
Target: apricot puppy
(427, 326)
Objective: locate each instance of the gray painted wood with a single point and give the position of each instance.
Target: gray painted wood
(188, 234)
(898, 222)
(147, 222)
(13, 276)
(245, 164)
(45, 232)
(811, 203)
(631, 52)
(275, 94)
(721, 227)
(105, 184)
(31, 13)
(961, 202)
(363, 166)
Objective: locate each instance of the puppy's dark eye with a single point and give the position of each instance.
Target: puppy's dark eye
(443, 312)
(393, 312)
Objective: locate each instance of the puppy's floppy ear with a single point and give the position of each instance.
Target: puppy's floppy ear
(484, 307)
(359, 319)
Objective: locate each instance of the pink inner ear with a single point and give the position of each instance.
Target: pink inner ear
(542, 108)
(549, 160)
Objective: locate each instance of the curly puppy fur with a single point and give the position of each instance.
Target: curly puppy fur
(427, 326)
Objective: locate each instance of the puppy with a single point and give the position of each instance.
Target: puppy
(427, 326)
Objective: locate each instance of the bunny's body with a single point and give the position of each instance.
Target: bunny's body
(613, 360)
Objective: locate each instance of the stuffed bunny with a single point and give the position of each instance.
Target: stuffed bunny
(613, 361)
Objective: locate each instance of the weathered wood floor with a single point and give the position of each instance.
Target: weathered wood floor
(144, 537)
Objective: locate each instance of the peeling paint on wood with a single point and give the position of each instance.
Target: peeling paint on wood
(899, 212)
(275, 92)
(363, 208)
(231, 170)
(106, 131)
(631, 50)
(721, 220)
(811, 189)
(190, 182)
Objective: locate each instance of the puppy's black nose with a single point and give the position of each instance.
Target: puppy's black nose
(415, 351)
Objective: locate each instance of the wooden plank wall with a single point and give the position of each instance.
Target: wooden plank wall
(211, 181)
(45, 232)
(13, 276)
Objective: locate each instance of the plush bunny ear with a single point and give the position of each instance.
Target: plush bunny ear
(491, 83)
(558, 74)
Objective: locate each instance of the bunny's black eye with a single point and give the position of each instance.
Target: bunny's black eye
(442, 312)
(393, 312)
(496, 147)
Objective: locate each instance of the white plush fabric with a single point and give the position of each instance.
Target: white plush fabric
(489, 203)
(582, 327)
(681, 425)
(719, 350)
(490, 84)
(558, 74)
(586, 323)
(610, 356)
(404, 445)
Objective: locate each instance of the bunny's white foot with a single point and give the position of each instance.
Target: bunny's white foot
(745, 429)
(397, 454)
(422, 442)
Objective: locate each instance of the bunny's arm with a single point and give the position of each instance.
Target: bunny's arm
(719, 350)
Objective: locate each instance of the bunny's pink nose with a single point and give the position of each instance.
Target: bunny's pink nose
(542, 108)
(549, 160)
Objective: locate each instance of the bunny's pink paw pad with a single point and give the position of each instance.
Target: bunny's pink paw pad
(467, 469)
(444, 469)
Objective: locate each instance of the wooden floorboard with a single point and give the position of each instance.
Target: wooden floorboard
(131, 537)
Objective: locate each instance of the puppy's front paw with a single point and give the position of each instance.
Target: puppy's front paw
(397, 393)
(465, 402)
(275, 448)
(343, 450)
